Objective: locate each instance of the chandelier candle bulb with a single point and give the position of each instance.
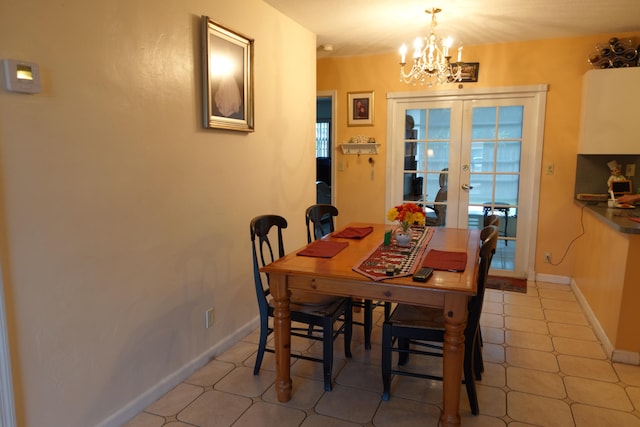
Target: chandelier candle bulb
(403, 53)
(448, 42)
(460, 54)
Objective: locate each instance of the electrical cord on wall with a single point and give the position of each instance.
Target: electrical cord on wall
(555, 264)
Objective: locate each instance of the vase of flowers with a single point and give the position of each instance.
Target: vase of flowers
(406, 214)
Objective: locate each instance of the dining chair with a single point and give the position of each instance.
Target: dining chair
(495, 221)
(325, 316)
(492, 219)
(320, 219)
(420, 330)
(436, 214)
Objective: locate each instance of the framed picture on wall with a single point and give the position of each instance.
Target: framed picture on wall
(360, 108)
(470, 71)
(227, 71)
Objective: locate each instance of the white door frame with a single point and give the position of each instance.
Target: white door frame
(395, 132)
(7, 406)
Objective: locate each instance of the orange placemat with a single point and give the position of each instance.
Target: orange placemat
(353, 232)
(445, 260)
(323, 249)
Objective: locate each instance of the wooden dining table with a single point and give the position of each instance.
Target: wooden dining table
(448, 290)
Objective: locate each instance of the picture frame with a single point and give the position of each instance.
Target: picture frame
(470, 71)
(360, 108)
(227, 71)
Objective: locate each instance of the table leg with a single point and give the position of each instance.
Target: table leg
(455, 315)
(282, 336)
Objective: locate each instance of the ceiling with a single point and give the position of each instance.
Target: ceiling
(365, 27)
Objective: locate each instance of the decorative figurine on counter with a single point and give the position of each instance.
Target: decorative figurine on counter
(616, 173)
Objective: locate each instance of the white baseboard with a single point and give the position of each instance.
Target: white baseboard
(626, 357)
(618, 356)
(166, 384)
(606, 344)
(552, 278)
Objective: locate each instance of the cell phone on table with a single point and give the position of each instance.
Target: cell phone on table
(423, 274)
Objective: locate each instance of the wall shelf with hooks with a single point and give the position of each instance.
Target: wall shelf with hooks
(366, 148)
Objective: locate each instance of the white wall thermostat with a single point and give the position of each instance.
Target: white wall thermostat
(21, 76)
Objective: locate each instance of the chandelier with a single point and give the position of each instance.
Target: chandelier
(431, 58)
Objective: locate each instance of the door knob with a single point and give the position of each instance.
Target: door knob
(467, 187)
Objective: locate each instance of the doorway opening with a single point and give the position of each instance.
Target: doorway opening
(325, 137)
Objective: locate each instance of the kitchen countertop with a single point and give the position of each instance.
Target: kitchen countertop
(615, 217)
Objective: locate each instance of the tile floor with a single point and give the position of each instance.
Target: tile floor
(543, 367)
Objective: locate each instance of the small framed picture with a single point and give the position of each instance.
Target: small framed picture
(227, 70)
(470, 71)
(360, 108)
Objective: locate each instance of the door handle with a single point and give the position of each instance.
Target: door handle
(467, 187)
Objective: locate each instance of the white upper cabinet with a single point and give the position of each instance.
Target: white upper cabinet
(610, 121)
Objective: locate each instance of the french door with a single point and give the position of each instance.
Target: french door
(467, 155)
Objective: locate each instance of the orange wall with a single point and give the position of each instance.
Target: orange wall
(612, 292)
(559, 63)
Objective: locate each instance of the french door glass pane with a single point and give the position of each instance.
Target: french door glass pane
(482, 156)
(439, 120)
(507, 189)
(482, 188)
(509, 156)
(510, 122)
(484, 123)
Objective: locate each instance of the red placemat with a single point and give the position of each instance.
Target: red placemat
(445, 260)
(634, 219)
(323, 249)
(353, 232)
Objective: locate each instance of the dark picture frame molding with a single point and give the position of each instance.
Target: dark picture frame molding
(470, 71)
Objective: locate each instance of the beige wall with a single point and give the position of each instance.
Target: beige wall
(122, 219)
(559, 63)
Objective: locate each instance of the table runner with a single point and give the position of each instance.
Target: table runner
(405, 261)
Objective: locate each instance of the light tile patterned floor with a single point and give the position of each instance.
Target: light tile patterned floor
(543, 367)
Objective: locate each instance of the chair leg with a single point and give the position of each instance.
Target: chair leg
(469, 378)
(387, 310)
(262, 344)
(348, 329)
(478, 363)
(368, 323)
(386, 360)
(327, 351)
(403, 356)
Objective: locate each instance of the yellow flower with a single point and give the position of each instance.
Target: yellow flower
(407, 214)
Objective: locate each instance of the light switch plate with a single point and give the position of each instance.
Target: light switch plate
(21, 76)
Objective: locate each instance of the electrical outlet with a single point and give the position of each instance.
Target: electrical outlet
(208, 318)
(547, 257)
(549, 168)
